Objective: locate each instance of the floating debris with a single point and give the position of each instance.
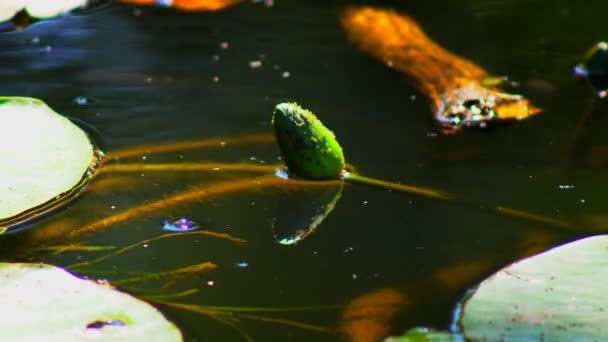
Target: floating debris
(566, 186)
(241, 264)
(181, 225)
(595, 69)
(83, 101)
(255, 64)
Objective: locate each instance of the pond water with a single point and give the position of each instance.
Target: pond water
(145, 75)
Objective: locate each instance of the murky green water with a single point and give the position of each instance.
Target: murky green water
(157, 75)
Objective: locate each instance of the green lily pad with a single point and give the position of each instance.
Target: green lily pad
(423, 334)
(45, 303)
(44, 160)
(37, 8)
(558, 295)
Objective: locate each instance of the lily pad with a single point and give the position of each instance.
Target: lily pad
(558, 295)
(44, 160)
(37, 8)
(423, 334)
(45, 303)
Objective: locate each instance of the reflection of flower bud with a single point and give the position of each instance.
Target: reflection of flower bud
(595, 68)
(309, 149)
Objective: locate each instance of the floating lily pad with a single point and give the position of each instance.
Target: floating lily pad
(558, 295)
(44, 160)
(37, 8)
(45, 303)
(423, 334)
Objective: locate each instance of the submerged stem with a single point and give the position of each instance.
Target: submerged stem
(135, 151)
(58, 249)
(197, 193)
(408, 189)
(201, 309)
(441, 195)
(146, 241)
(181, 272)
(188, 167)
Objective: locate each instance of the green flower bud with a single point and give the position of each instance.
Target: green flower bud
(309, 149)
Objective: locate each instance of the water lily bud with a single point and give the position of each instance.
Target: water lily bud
(309, 149)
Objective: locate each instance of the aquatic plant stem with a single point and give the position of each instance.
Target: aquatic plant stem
(408, 189)
(176, 274)
(58, 249)
(239, 315)
(189, 167)
(136, 151)
(147, 241)
(197, 193)
(442, 195)
(575, 151)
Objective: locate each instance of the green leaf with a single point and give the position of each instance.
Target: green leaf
(37, 8)
(422, 334)
(309, 149)
(558, 295)
(45, 303)
(45, 159)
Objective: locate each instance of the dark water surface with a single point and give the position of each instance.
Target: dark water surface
(149, 74)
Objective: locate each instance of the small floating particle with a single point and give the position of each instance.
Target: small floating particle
(242, 264)
(215, 79)
(566, 187)
(281, 173)
(210, 283)
(224, 45)
(255, 64)
(285, 74)
(83, 101)
(180, 225)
